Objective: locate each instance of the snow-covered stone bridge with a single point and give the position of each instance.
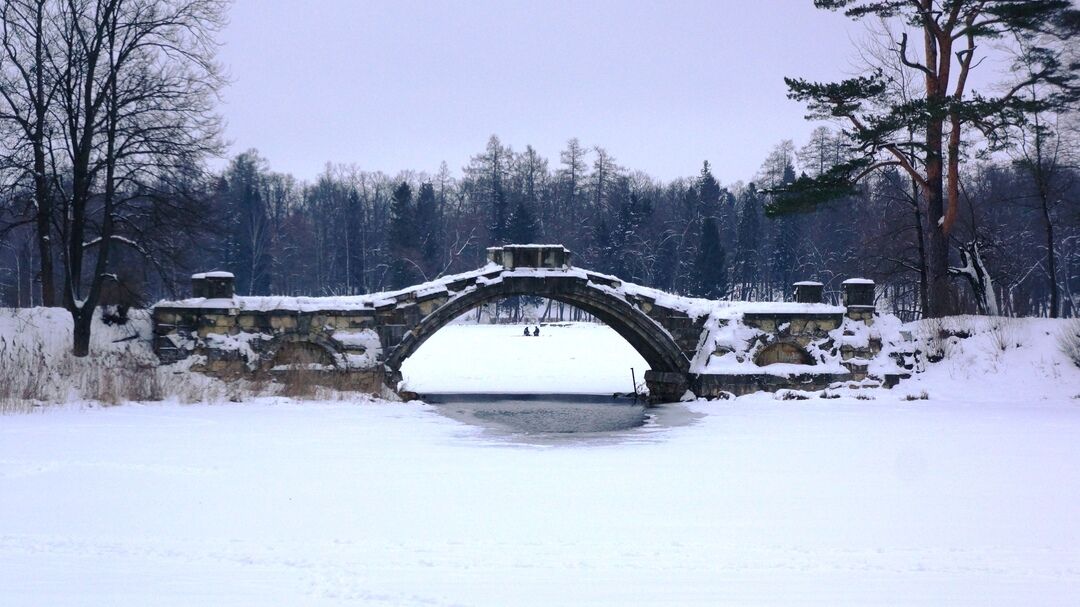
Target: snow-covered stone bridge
(708, 347)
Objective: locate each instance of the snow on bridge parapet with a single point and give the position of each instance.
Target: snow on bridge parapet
(708, 346)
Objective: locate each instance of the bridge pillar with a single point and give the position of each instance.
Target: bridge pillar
(514, 256)
(808, 291)
(666, 387)
(859, 299)
(213, 285)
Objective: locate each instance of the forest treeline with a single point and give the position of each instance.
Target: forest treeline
(351, 231)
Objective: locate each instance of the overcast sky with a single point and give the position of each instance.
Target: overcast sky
(392, 85)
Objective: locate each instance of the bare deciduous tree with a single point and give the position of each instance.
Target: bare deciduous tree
(136, 82)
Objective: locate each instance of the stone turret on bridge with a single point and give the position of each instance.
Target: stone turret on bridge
(513, 256)
(690, 344)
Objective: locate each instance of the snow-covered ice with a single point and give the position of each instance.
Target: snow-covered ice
(966, 498)
(575, 358)
(760, 502)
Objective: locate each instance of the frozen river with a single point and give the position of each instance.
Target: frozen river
(966, 500)
(568, 359)
(753, 502)
(535, 415)
(561, 417)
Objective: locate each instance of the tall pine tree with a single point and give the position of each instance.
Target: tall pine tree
(710, 272)
(403, 237)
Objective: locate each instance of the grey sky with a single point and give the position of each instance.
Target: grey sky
(393, 85)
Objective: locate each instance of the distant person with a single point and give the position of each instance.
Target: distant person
(536, 331)
(526, 330)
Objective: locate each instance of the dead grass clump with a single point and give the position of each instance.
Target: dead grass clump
(939, 336)
(1069, 340)
(1004, 333)
(32, 373)
(933, 335)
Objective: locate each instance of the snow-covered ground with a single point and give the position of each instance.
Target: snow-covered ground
(968, 497)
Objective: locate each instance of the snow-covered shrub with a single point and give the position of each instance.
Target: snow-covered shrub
(923, 395)
(1069, 340)
(940, 336)
(791, 395)
(960, 327)
(933, 335)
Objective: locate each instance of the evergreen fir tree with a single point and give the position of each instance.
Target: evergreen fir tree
(785, 249)
(427, 229)
(500, 218)
(603, 248)
(746, 266)
(522, 227)
(709, 192)
(403, 237)
(710, 273)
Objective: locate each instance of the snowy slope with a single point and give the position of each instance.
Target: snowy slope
(1010, 360)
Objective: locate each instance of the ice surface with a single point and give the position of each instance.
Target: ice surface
(576, 358)
(760, 502)
(966, 498)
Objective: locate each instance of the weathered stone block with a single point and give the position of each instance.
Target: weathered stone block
(282, 322)
(165, 317)
(430, 305)
(865, 316)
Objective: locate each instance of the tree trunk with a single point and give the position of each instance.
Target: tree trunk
(82, 320)
(982, 285)
(41, 181)
(44, 237)
(939, 291)
(920, 233)
(1051, 261)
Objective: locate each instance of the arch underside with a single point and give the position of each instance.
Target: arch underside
(644, 334)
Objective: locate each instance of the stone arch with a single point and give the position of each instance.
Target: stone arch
(780, 352)
(644, 334)
(284, 347)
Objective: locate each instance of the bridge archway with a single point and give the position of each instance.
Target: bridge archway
(291, 349)
(643, 334)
